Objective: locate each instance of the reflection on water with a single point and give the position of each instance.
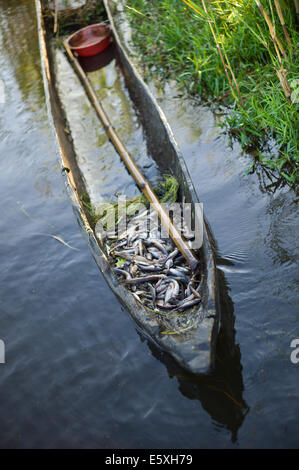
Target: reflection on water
(282, 221)
(18, 40)
(221, 393)
(98, 61)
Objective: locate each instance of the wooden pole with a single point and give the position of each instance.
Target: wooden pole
(226, 65)
(221, 56)
(142, 183)
(281, 18)
(55, 15)
(273, 34)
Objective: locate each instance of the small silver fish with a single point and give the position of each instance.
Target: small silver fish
(162, 305)
(140, 247)
(176, 289)
(132, 257)
(168, 293)
(183, 270)
(120, 244)
(122, 272)
(133, 269)
(149, 268)
(188, 289)
(172, 291)
(153, 293)
(172, 254)
(154, 252)
(169, 263)
(158, 245)
(188, 304)
(195, 292)
(137, 297)
(140, 280)
(179, 275)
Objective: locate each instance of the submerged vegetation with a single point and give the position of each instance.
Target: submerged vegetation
(166, 190)
(236, 54)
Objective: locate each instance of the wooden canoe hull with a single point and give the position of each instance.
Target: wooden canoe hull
(194, 350)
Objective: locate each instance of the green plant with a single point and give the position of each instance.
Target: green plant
(237, 53)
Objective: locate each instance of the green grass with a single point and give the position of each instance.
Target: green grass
(176, 42)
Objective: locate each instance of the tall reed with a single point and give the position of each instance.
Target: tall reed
(253, 66)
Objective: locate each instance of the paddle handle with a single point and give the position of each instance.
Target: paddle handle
(141, 181)
(55, 16)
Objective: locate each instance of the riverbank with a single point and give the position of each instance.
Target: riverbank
(223, 54)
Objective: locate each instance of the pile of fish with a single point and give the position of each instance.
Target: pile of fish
(152, 268)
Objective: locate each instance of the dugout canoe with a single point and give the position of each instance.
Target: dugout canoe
(193, 348)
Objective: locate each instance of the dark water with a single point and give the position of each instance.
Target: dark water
(77, 373)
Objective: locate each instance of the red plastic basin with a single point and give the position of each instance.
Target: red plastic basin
(90, 40)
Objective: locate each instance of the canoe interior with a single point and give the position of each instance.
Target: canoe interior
(194, 349)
